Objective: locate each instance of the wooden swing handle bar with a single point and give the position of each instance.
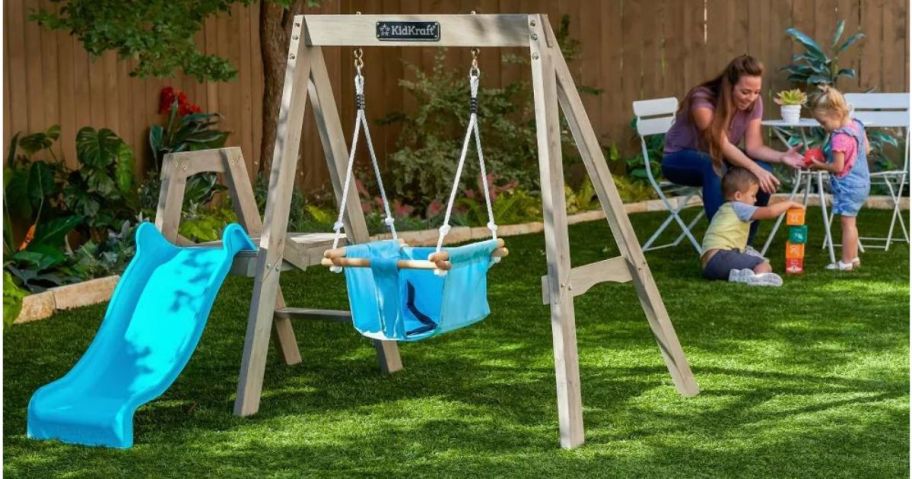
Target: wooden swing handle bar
(441, 260)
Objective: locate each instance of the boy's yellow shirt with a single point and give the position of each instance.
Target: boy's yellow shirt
(729, 227)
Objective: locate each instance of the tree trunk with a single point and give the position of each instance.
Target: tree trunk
(275, 33)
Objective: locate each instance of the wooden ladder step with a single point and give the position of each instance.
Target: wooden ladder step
(307, 313)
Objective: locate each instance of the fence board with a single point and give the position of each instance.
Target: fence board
(872, 46)
(894, 41)
(631, 49)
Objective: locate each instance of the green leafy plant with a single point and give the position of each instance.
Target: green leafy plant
(206, 224)
(582, 198)
(32, 196)
(102, 189)
(107, 257)
(815, 66)
(791, 97)
(636, 165)
(12, 300)
(632, 191)
(185, 129)
(431, 138)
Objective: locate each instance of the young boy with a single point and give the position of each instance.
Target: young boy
(725, 242)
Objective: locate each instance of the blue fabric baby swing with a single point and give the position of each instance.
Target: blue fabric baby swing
(400, 293)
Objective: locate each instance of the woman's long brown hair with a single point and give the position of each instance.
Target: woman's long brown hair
(720, 89)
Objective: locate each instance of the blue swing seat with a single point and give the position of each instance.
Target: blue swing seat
(392, 304)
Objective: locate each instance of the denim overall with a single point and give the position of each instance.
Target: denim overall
(851, 190)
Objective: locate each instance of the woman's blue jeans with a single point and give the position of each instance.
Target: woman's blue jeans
(694, 168)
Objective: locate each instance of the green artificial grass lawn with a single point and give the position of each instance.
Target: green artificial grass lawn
(807, 380)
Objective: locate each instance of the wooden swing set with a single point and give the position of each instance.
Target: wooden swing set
(306, 78)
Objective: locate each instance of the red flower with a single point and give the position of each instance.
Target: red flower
(184, 106)
(165, 99)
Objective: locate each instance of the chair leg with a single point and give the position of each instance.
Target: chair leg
(673, 215)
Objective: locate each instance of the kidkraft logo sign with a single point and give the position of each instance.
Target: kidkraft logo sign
(408, 31)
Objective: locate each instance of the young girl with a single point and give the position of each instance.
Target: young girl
(848, 166)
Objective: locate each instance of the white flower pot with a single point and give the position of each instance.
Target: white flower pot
(791, 113)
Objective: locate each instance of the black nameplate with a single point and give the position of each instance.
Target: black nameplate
(408, 31)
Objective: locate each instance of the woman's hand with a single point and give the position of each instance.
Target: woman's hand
(792, 158)
(768, 181)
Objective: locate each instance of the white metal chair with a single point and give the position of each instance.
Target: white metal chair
(886, 110)
(655, 117)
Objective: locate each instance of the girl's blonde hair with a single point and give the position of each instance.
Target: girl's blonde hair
(829, 101)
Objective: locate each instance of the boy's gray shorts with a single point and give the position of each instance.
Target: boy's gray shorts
(726, 260)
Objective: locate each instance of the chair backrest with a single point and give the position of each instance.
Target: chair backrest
(880, 110)
(654, 117)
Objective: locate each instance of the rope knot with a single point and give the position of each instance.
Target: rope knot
(337, 226)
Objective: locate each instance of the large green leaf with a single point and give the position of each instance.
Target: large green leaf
(820, 79)
(40, 182)
(97, 149)
(123, 169)
(99, 182)
(11, 153)
(812, 47)
(849, 72)
(40, 257)
(12, 300)
(36, 142)
(156, 135)
(849, 42)
(16, 193)
(52, 232)
(840, 27)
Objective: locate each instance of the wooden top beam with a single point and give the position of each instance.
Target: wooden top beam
(454, 30)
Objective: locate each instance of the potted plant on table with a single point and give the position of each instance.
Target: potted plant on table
(790, 102)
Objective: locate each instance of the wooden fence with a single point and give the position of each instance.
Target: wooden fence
(630, 49)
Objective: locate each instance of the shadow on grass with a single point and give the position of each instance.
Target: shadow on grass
(810, 379)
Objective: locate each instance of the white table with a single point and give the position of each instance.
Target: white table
(804, 180)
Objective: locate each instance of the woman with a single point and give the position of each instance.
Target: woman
(711, 122)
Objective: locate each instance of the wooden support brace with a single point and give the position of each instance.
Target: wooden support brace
(594, 161)
(582, 278)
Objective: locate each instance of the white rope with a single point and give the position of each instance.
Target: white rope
(389, 220)
(360, 119)
(472, 128)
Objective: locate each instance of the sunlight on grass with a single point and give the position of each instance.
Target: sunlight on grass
(807, 380)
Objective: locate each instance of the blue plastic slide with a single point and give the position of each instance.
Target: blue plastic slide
(153, 324)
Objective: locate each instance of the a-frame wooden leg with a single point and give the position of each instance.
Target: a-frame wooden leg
(241, 191)
(621, 229)
(336, 153)
(272, 239)
(557, 245)
(177, 167)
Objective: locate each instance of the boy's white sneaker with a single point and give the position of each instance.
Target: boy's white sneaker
(747, 276)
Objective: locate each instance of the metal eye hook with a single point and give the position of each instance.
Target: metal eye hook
(474, 70)
(359, 55)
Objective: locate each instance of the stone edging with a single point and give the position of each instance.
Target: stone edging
(42, 305)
